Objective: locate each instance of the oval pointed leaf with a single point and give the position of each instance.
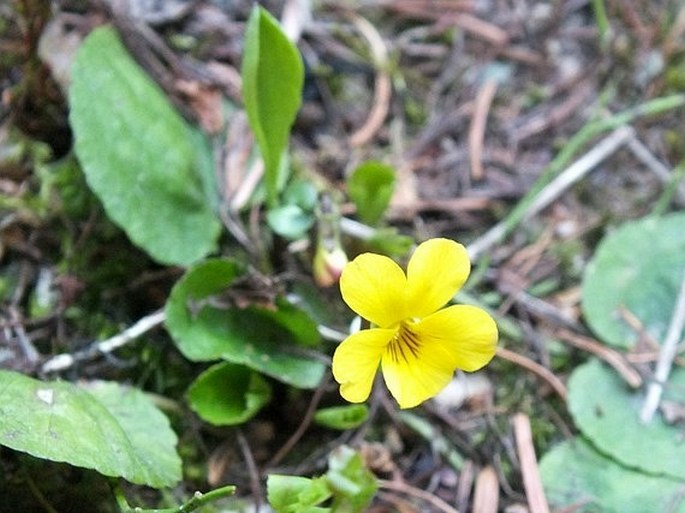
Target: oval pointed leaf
(638, 267)
(370, 186)
(260, 338)
(273, 75)
(342, 417)
(138, 154)
(112, 429)
(228, 394)
(607, 412)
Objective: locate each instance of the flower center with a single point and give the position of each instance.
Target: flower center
(404, 343)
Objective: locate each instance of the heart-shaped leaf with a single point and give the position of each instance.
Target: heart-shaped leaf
(267, 339)
(607, 411)
(638, 268)
(578, 478)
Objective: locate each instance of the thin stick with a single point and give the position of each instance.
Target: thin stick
(301, 429)
(382, 88)
(486, 495)
(252, 469)
(477, 130)
(611, 356)
(64, 361)
(616, 122)
(529, 466)
(666, 355)
(555, 188)
(535, 368)
(666, 175)
(416, 492)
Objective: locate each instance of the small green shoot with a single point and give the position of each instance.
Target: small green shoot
(348, 485)
(370, 186)
(342, 417)
(273, 76)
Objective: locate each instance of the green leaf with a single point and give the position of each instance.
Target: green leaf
(389, 241)
(260, 338)
(352, 483)
(342, 417)
(347, 481)
(302, 193)
(273, 75)
(139, 156)
(228, 394)
(638, 267)
(370, 186)
(297, 322)
(295, 494)
(112, 429)
(290, 221)
(578, 478)
(607, 412)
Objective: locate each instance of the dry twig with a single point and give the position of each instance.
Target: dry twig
(486, 496)
(535, 368)
(610, 356)
(383, 87)
(301, 429)
(64, 361)
(556, 187)
(399, 486)
(529, 466)
(477, 131)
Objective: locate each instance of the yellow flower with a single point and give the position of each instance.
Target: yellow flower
(417, 345)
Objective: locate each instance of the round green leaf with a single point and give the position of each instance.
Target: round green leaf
(290, 221)
(578, 478)
(260, 338)
(112, 429)
(228, 394)
(342, 417)
(638, 267)
(302, 193)
(607, 412)
(139, 156)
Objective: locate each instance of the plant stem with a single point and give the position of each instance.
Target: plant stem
(671, 189)
(602, 21)
(198, 500)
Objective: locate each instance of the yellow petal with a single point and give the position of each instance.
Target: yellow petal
(463, 334)
(412, 378)
(374, 287)
(356, 361)
(437, 269)
(458, 337)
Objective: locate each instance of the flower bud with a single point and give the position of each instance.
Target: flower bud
(328, 265)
